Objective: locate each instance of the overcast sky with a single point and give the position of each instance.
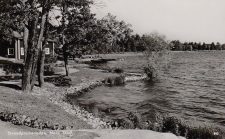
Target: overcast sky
(184, 20)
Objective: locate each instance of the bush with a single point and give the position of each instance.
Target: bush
(118, 70)
(150, 72)
(128, 124)
(174, 125)
(59, 80)
(51, 58)
(136, 118)
(115, 80)
(49, 69)
(12, 68)
(179, 127)
(156, 53)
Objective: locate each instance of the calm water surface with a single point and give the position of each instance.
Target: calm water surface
(193, 88)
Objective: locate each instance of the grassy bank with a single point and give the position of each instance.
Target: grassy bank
(12, 101)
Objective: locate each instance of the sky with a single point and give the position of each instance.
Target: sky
(184, 20)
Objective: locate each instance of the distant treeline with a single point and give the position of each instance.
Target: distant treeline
(176, 45)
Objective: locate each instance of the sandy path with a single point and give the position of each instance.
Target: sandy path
(10, 131)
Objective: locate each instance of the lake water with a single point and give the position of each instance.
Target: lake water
(193, 88)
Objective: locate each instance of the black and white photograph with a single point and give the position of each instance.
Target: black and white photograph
(112, 69)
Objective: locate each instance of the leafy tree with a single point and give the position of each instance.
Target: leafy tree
(176, 45)
(212, 46)
(199, 46)
(218, 46)
(156, 52)
(204, 46)
(26, 16)
(79, 28)
(195, 46)
(186, 47)
(117, 32)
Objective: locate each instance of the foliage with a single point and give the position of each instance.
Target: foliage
(174, 125)
(20, 15)
(136, 119)
(118, 70)
(156, 53)
(49, 69)
(176, 45)
(182, 128)
(115, 80)
(52, 58)
(128, 124)
(13, 68)
(117, 32)
(59, 80)
(150, 71)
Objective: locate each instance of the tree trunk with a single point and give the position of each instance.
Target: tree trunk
(38, 49)
(29, 64)
(65, 57)
(26, 87)
(34, 67)
(42, 53)
(41, 69)
(65, 53)
(122, 47)
(29, 74)
(25, 39)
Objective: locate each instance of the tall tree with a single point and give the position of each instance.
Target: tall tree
(117, 31)
(31, 14)
(212, 46)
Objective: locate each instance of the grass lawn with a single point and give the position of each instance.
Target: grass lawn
(32, 105)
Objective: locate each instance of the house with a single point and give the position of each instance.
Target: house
(15, 48)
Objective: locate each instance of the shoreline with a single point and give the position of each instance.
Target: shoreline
(83, 81)
(96, 123)
(59, 98)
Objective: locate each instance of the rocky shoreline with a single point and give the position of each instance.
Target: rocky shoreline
(60, 99)
(96, 123)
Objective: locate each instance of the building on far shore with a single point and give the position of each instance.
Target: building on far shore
(15, 48)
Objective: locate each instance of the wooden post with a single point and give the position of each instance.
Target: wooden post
(15, 49)
(19, 50)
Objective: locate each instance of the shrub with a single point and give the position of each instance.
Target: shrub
(12, 68)
(51, 58)
(181, 128)
(128, 124)
(115, 80)
(49, 69)
(59, 80)
(118, 70)
(150, 72)
(136, 118)
(175, 125)
(156, 52)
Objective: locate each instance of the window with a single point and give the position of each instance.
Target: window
(22, 51)
(47, 51)
(10, 51)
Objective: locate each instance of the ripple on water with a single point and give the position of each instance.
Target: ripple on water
(193, 88)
